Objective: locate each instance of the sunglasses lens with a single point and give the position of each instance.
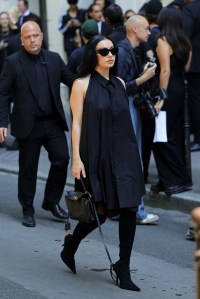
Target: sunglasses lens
(103, 52)
(114, 51)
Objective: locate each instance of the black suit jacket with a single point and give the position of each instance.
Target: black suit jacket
(30, 17)
(191, 22)
(18, 78)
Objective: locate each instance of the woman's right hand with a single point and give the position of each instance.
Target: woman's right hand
(3, 134)
(78, 169)
(147, 74)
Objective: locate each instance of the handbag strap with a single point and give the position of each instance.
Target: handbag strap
(84, 188)
(98, 222)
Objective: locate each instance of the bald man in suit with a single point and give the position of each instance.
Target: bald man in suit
(33, 76)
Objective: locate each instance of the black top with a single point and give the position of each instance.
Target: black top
(44, 107)
(70, 33)
(108, 146)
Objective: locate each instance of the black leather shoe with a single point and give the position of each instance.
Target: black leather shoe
(55, 209)
(156, 188)
(194, 147)
(174, 189)
(28, 221)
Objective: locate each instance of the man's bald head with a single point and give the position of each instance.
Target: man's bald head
(31, 37)
(138, 27)
(135, 21)
(28, 25)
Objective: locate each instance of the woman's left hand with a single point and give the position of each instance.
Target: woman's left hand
(158, 105)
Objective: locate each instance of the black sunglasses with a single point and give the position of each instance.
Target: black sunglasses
(105, 51)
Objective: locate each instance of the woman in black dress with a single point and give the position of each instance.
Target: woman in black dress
(174, 55)
(105, 152)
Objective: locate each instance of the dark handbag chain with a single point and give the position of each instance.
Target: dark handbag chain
(98, 222)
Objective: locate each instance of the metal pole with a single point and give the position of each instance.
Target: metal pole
(186, 126)
(196, 226)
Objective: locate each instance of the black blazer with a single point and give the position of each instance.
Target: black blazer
(30, 17)
(17, 78)
(191, 22)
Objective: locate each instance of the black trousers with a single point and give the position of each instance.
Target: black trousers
(49, 134)
(148, 129)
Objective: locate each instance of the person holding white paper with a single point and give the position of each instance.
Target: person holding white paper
(160, 127)
(174, 55)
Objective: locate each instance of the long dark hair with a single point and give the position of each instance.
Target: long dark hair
(89, 60)
(171, 28)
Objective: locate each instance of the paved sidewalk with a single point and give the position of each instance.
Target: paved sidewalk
(183, 202)
(36, 271)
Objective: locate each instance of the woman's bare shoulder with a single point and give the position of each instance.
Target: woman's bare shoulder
(80, 86)
(82, 82)
(163, 45)
(162, 41)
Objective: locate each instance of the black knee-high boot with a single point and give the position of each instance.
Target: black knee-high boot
(72, 242)
(127, 227)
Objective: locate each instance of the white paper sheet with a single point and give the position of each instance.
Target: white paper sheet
(160, 128)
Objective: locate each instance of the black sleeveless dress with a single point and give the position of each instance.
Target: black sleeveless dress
(108, 146)
(170, 156)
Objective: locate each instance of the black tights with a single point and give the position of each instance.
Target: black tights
(127, 226)
(83, 229)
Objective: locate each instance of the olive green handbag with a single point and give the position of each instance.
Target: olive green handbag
(79, 205)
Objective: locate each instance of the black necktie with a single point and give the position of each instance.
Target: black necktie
(42, 101)
(21, 19)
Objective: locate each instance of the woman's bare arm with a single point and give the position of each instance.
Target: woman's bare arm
(76, 102)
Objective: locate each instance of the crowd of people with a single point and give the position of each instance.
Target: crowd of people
(126, 72)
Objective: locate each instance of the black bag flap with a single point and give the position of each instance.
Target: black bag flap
(76, 195)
